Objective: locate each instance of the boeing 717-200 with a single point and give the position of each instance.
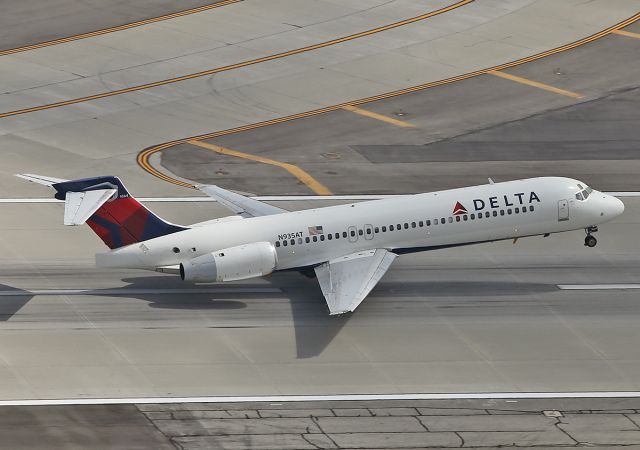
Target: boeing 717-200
(348, 247)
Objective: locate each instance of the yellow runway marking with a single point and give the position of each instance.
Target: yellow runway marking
(125, 26)
(373, 115)
(535, 84)
(294, 170)
(627, 33)
(238, 65)
(145, 155)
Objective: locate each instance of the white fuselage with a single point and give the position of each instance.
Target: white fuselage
(402, 224)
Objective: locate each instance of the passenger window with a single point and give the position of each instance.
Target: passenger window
(284, 243)
(399, 226)
(421, 223)
(377, 230)
(509, 211)
(293, 242)
(531, 208)
(315, 239)
(443, 220)
(353, 233)
(300, 241)
(337, 235)
(524, 209)
(344, 234)
(495, 214)
(369, 230)
(307, 240)
(413, 225)
(277, 243)
(450, 219)
(384, 229)
(465, 217)
(322, 237)
(517, 210)
(502, 212)
(428, 223)
(360, 233)
(329, 236)
(457, 218)
(473, 216)
(391, 228)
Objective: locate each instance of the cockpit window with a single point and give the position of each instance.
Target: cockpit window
(584, 192)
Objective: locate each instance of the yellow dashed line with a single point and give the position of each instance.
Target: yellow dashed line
(627, 33)
(126, 26)
(535, 84)
(383, 118)
(294, 170)
(238, 65)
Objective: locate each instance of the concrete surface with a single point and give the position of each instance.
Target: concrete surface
(550, 424)
(465, 132)
(106, 134)
(33, 21)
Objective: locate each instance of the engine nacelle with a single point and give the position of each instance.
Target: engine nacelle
(231, 264)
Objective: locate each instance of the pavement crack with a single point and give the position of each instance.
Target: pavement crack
(457, 433)
(557, 424)
(317, 423)
(304, 437)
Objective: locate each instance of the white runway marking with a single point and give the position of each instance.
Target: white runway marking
(596, 287)
(310, 398)
(125, 291)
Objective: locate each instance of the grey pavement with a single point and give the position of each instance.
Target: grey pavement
(33, 21)
(486, 424)
(465, 132)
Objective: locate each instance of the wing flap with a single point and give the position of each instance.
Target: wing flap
(79, 206)
(239, 204)
(346, 281)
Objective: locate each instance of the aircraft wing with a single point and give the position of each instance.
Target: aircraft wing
(239, 204)
(346, 281)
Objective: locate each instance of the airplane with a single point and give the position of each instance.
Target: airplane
(347, 247)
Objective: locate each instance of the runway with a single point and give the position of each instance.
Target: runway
(542, 316)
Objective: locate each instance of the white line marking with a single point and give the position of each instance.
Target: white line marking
(597, 287)
(125, 291)
(310, 398)
(263, 198)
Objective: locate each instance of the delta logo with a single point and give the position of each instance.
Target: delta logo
(459, 209)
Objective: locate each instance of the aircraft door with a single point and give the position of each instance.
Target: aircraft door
(563, 210)
(368, 232)
(352, 233)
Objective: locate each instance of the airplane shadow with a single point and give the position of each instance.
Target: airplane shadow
(314, 328)
(11, 304)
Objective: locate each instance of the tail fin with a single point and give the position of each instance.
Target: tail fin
(108, 208)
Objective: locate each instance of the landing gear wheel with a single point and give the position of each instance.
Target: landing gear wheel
(590, 241)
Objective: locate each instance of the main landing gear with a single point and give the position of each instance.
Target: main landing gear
(590, 240)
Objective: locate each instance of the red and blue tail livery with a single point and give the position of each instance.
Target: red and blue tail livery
(121, 220)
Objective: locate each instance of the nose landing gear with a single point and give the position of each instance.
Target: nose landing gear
(590, 240)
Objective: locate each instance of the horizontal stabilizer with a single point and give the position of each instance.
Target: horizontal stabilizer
(239, 204)
(346, 281)
(79, 206)
(46, 181)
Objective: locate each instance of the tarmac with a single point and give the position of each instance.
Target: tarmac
(494, 318)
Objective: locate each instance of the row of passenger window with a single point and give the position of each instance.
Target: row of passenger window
(398, 227)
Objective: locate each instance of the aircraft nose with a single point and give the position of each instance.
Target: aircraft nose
(616, 206)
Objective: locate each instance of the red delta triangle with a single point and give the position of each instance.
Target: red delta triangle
(459, 209)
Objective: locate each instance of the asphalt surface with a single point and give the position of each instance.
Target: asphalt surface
(33, 21)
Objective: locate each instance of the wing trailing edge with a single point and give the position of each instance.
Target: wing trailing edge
(346, 281)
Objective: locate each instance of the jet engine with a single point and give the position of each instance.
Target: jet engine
(230, 264)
